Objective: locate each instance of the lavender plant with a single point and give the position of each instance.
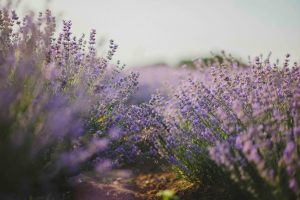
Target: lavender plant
(237, 128)
(190, 128)
(58, 101)
(263, 157)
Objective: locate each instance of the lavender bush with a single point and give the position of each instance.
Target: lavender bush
(58, 102)
(263, 157)
(237, 128)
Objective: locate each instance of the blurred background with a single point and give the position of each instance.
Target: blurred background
(169, 31)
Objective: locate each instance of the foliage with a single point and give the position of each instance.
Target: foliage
(58, 102)
(237, 128)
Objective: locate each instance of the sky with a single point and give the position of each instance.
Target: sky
(154, 31)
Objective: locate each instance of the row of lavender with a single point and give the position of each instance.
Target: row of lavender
(60, 104)
(237, 128)
(65, 110)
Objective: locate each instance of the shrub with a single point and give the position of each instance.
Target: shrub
(236, 129)
(263, 157)
(58, 102)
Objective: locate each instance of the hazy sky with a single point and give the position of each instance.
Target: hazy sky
(169, 30)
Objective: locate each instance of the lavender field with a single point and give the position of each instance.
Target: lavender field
(77, 123)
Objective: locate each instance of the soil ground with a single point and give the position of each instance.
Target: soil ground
(116, 186)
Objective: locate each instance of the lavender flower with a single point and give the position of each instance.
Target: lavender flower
(56, 96)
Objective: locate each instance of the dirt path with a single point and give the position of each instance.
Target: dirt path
(138, 187)
(94, 191)
(91, 187)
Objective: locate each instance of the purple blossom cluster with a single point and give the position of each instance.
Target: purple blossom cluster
(60, 103)
(237, 126)
(264, 155)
